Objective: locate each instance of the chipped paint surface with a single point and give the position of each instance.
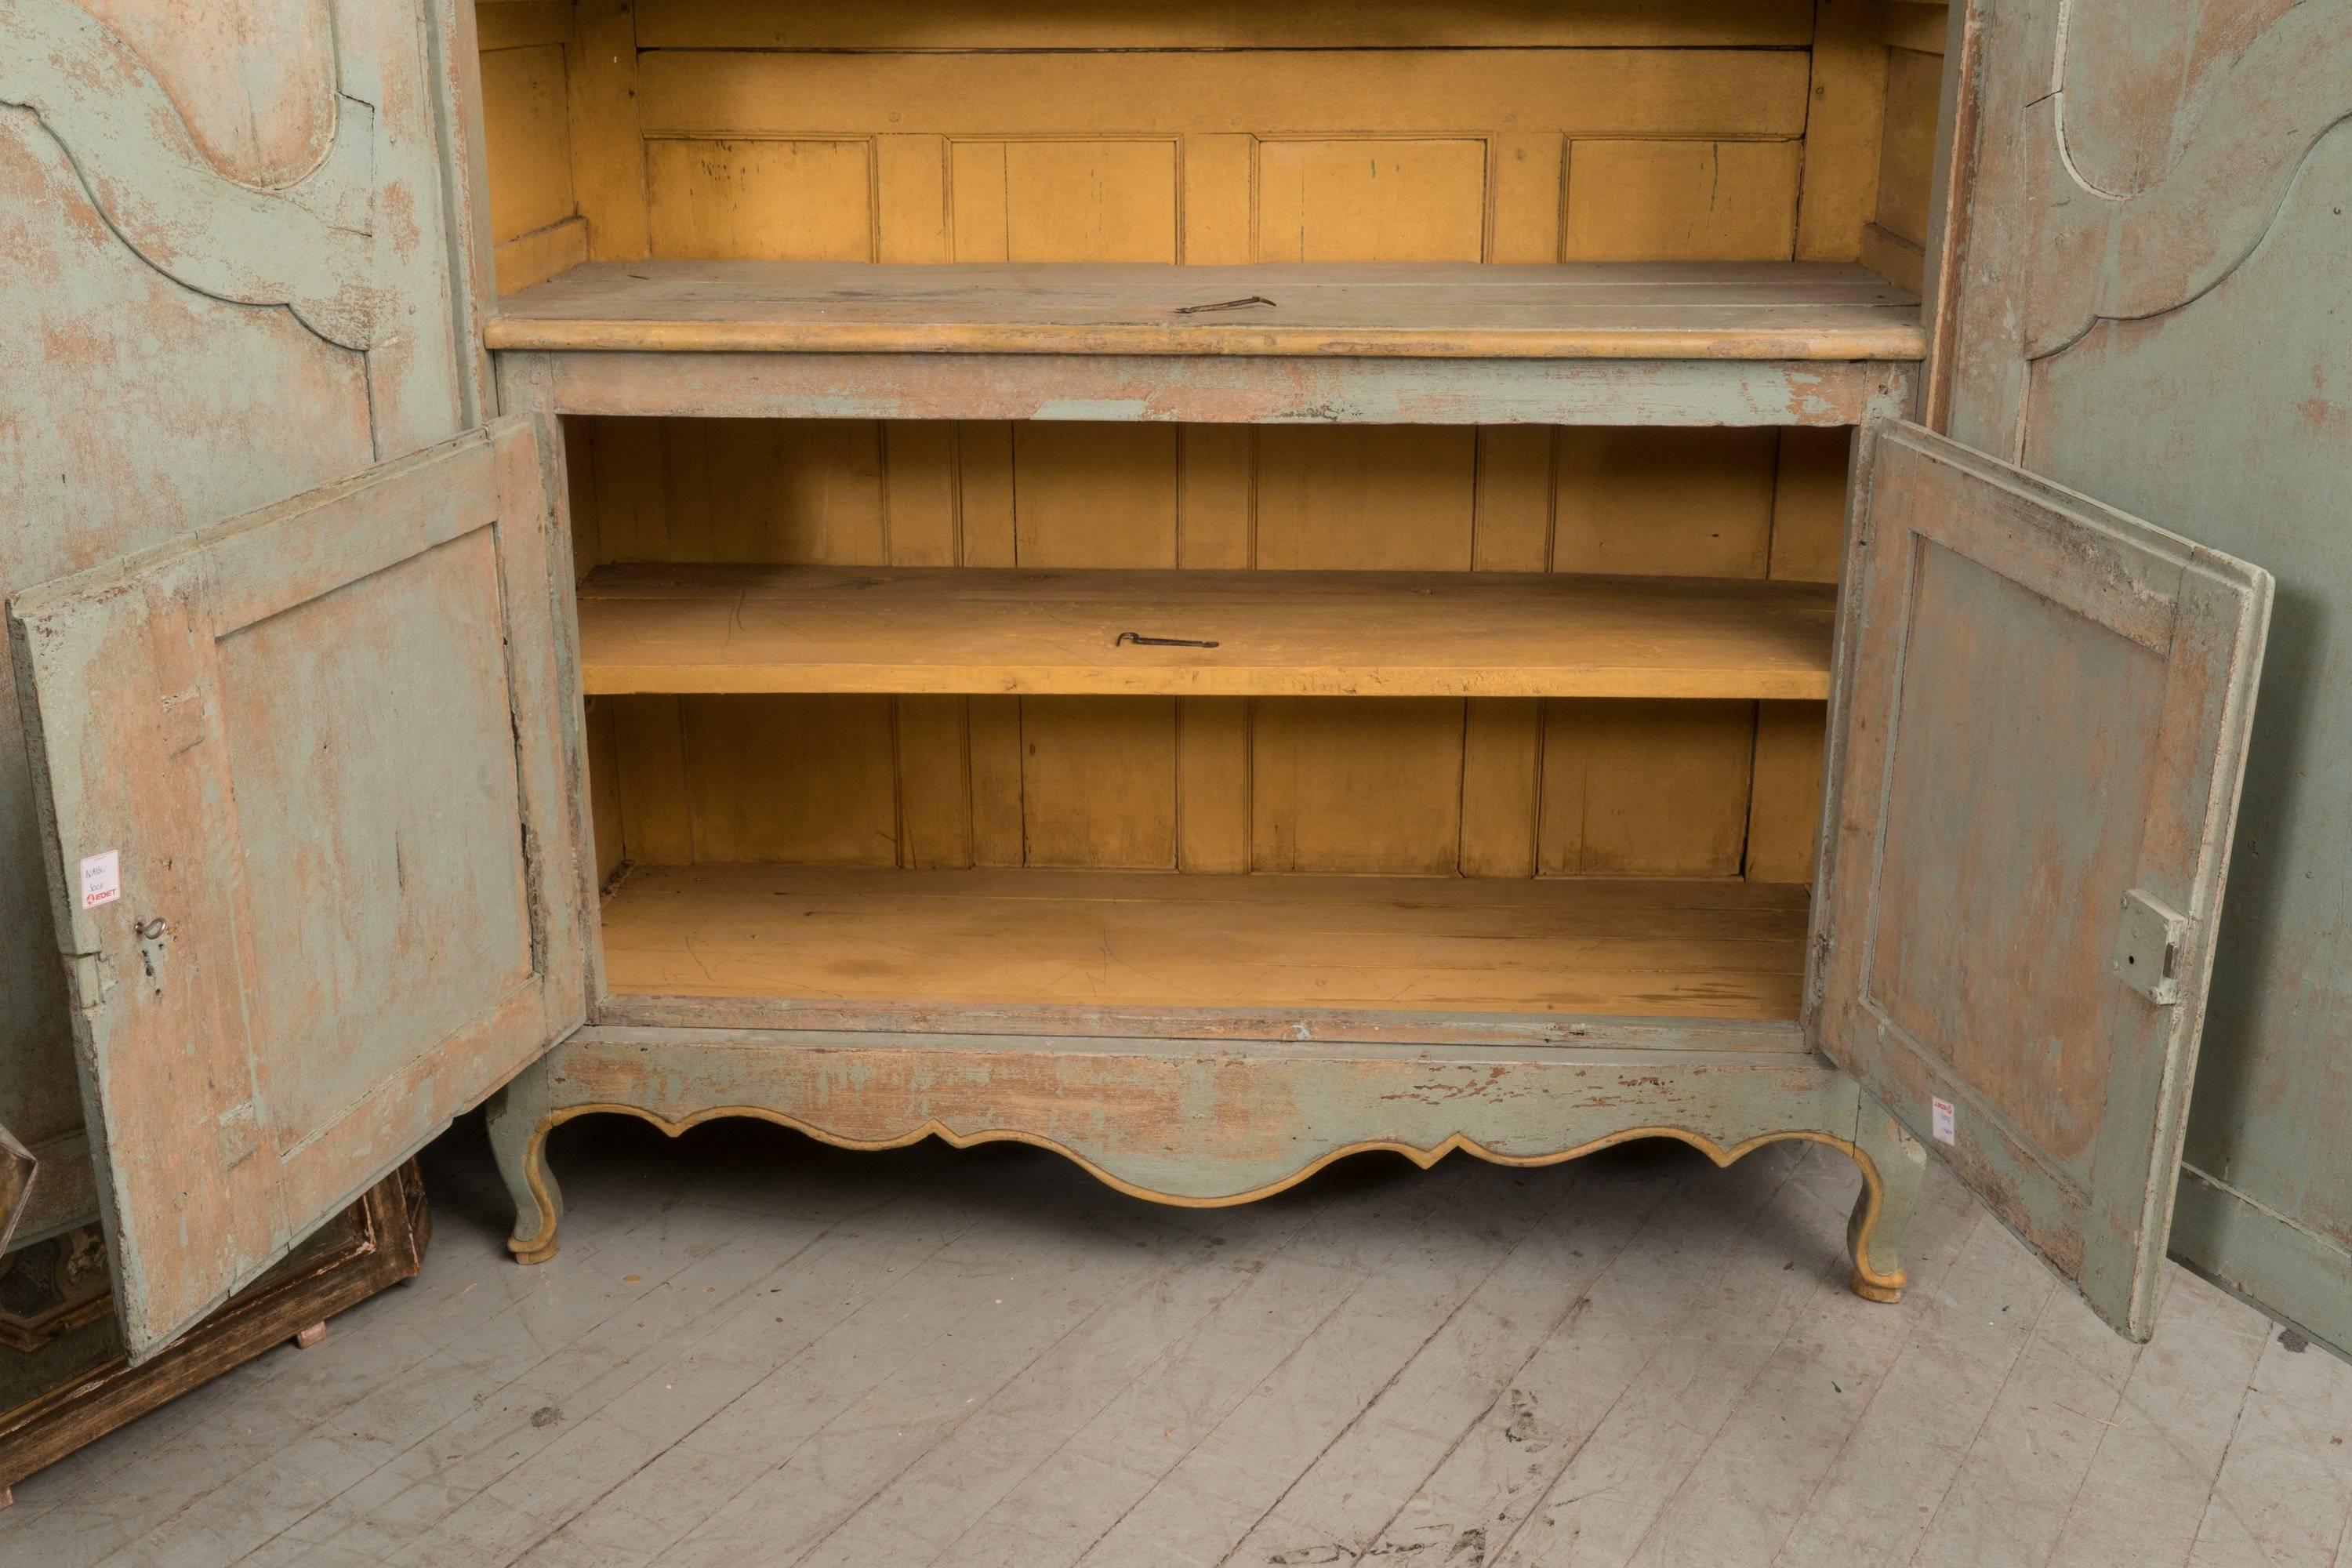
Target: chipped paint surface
(2152, 310)
(1255, 1118)
(210, 210)
(2046, 704)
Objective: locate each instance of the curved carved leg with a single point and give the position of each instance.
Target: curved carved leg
(1882, 1213)
(519, 1128)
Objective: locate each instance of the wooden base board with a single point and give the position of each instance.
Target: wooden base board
(1663, 947)
(1202, 1124)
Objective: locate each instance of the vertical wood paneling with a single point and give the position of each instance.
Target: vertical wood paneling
(604, 786)
(1216, 506)
(1364, 199)
(911, 212)
(1098, 781)
(791, 201)
(1374, 786)
(1512, 521)
(934, 792)
(1095, 495)
(1501, 780)
(1528, 169)
(994, 748)
(1674, 502)
(986, 528)
(1212, 784)
(608, 157)
(1386, 497)
(1098, 170)
(1219, 172)
(656, 825)
(526, 139)
(1682, 201)
(1784, 814)
(809, 780)
(1644, 789)
(1915, 83)
(1842, 129)
(768, 489)
(919, 497)
(1808, 505)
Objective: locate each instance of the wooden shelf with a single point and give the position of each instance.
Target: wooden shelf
(1638, 949)
(1375, 342)
(949, 630)
(1711, 310)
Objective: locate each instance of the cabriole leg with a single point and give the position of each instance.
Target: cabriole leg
(519, 1127)
(1882, 1213)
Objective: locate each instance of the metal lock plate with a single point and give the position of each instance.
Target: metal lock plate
(2151, 944)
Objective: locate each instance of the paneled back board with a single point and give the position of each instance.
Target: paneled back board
(1226, 134)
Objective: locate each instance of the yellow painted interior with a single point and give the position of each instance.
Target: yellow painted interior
(1210, 131)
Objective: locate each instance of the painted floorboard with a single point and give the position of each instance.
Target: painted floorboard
(755, 1351)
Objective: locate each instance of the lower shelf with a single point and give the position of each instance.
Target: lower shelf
(1639, 948)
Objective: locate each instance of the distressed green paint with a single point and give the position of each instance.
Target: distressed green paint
(1201, 1122)
(1207, 389)
(2045, 705)
(2177, 345)
(176, 355)
(339, 778)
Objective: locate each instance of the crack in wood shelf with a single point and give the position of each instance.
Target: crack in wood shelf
(1724, 950)
(667, 628)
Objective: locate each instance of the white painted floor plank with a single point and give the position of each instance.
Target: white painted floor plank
(753, 1349)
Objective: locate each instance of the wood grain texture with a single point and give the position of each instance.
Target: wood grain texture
(1843, 128)
(380, 1242)
(1626, 310)
(1723, 950)
(1417, 1359)
(1185, 24)
(454, 957)
(2219, 415)
(2090, 679)
(809, 629)
(163, 165)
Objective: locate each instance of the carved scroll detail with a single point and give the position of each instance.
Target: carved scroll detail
(2105, 258)
(306, 247)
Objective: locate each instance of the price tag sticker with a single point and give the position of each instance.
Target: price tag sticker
(101, 879)
(1939, 1113)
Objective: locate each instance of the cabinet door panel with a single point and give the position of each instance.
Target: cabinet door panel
(2041, 713)
(310, 816)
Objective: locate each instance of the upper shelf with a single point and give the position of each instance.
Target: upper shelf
(1371, 342)
(1302, 634)
(1708, 310)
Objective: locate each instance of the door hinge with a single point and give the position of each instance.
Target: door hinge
(2151, 944)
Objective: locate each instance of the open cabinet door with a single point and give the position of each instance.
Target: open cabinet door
(309, 817)
(2041, 707)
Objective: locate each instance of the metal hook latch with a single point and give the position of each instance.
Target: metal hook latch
(1125, 637)
(1243, 303)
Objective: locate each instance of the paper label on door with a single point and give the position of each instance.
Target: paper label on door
(1939, 1113)
(101, 879)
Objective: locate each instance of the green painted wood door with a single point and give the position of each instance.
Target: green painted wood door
(307, 796)
(2148, 298)
(2040, 721)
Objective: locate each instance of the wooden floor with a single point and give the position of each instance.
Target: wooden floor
(755, 1351)
(1633, 948)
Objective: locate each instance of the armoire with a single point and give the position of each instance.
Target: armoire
(1209, 587)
